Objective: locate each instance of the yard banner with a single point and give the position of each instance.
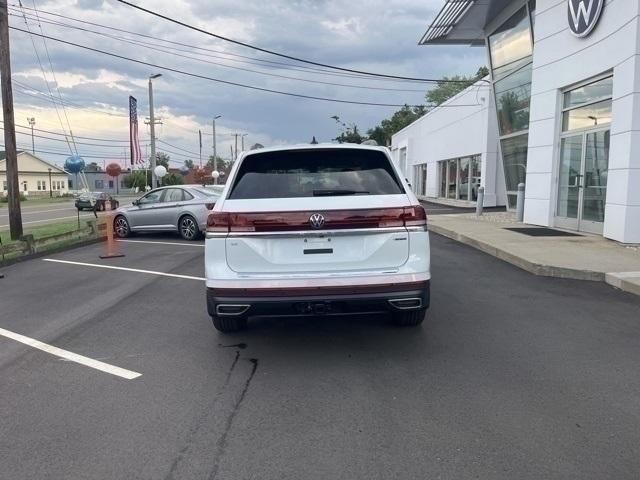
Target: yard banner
(134, 140)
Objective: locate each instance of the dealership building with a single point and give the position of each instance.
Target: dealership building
(559, 112)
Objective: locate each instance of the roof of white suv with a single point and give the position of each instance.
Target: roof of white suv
(316, 146)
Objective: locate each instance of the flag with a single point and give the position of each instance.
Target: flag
(134, 140)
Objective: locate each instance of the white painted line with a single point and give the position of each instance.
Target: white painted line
(51, 220)
(125, 269)
(164, 243)
(74, 357)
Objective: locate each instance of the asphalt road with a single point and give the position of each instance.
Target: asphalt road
(36, 215)
(512, 376)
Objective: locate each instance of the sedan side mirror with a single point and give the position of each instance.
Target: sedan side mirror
(136, 202)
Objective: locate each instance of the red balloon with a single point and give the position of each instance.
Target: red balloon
(113, 169)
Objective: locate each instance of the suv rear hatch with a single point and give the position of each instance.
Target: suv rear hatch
(316, 211)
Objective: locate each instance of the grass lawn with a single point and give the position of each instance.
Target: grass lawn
(46, 230)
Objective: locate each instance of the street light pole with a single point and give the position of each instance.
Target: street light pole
(50, 192)
(32, 123)
(152, 124)
(215, 153)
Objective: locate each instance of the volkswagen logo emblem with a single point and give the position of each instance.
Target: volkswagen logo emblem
(583, 15)
(316, 221)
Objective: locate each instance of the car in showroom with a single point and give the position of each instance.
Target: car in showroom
(316, 230)
(100, 201)
(176, 208)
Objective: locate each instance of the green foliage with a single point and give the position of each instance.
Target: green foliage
(5, 199)
(139, 178)
(349, 133)
(188, 163)
(445, 89)
(406, 115)
(172, 179)
(224, 166)
(162, 159)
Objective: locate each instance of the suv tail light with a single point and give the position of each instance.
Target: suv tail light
(224, 222)
(415, 216)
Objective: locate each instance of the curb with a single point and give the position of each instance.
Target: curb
(531, 267)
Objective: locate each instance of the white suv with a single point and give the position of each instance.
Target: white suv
(316, 230)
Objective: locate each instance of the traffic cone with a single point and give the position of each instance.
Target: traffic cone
(112, 251)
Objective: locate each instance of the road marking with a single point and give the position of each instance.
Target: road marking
(51, 219)
(125, 269)
(29, 212)
(74, 357)
(163, 243)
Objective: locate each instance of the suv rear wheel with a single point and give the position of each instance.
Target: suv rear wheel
(229, 324)
(411, 318)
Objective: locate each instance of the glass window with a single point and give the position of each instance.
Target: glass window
(443, 179)
(476, 176)
(452, 179)
(173, 195)
(590, 93)
(99, 184)
(513, 94)
(510, 45)
(514, 158)
(151, 197)
(589, 116)
(463, 187)
(314, 173)
(110, 183)
(595, 175)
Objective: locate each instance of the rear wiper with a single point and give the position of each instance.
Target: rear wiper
(331, 193)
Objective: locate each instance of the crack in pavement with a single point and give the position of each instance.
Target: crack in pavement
(222, 441)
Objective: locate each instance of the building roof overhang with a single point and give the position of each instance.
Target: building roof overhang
(462, 22)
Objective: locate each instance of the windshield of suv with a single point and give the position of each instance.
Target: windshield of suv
(308, 173)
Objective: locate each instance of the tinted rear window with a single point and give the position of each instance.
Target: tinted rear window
(309, 173)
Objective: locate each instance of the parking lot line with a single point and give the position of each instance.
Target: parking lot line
(74, 357)
(164, 243)
(126, 269)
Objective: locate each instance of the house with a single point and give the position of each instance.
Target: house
(36, 177)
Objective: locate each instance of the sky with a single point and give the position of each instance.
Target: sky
(373, 35)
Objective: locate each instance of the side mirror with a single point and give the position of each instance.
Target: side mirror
(136, 202)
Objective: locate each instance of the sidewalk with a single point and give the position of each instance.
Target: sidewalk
(583, 257)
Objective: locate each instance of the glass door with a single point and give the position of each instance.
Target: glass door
(582, 181)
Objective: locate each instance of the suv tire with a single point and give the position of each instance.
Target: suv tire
(229, 324)
(409, 319)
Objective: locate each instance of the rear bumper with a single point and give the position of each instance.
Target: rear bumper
(246, 302)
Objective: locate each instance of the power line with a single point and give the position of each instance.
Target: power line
(282, 55)
(126, 142)
(44, 76)
(184, 54)
(290, 66)
(179, 148)
(227, 82)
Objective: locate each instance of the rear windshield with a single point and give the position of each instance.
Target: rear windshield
(315, 173)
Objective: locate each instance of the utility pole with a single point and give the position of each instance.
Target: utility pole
(200, 138)
(242, 137)
(215, 153)
(13, 193)
(32, 123)
(152, 125)
(236, 143)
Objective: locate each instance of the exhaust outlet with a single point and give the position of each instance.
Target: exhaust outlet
(406, 303)
(231, 309)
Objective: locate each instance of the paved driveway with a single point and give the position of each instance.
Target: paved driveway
(512, 376)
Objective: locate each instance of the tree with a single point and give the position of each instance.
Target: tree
(172, 179)
(450, 86)
(349, 134)
(163, 159)
(189, 164)
(138, 178)
(223, 165)
(406, 115)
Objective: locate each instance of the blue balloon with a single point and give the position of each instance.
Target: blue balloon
(74, 164)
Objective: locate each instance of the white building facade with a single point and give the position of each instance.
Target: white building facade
(566, 95)
(451, 151)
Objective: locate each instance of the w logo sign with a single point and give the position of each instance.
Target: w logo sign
(583, 15)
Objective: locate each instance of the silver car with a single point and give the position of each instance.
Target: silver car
(176, 208)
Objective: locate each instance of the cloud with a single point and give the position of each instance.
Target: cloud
(375, 35)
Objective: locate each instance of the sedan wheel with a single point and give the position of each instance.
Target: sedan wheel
(188, 228)
(121, 227)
